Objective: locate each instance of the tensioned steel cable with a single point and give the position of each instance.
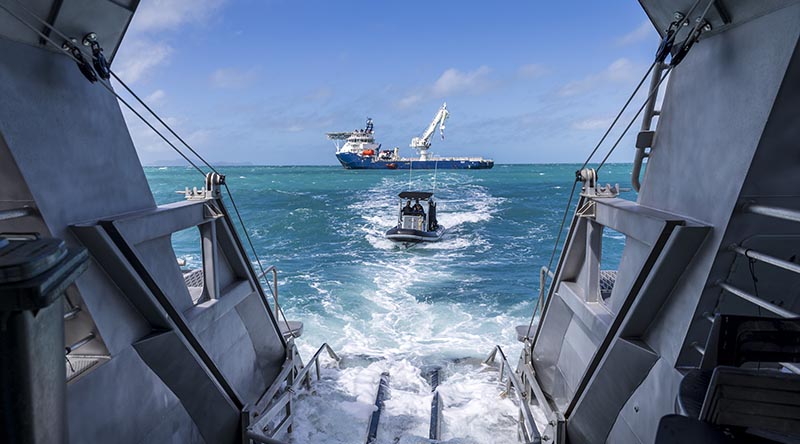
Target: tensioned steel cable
(553, 254)
(586, 162)
(699, 23)
(111, 90)
(160, 120)
(146, 122)
(619, 114)
(625, 131)
(681, 22)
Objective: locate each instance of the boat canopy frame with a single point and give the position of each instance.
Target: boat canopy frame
(423, 195)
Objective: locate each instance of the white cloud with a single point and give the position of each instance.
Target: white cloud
(642, 32)
(138, 57)
(454, 81)
(143, 48)
(233, 77)
(156, 15)
(409, 101)
(621, 70)
(591, 124)
(531, 70)
(156, 96)
(451, 82)
(295, 128)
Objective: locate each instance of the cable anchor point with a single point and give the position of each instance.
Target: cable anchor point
(665, 47)
(703, 25)
(71, 47)
(591, 188)
(98, 59)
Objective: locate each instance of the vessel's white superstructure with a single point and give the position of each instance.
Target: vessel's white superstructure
(356, 142)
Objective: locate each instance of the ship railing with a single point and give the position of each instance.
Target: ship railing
(468, 159)
(274, 289)
(645, 138)
(527, 432)
(785, 214)
(275, 420)
(15, 213)
(544, 273)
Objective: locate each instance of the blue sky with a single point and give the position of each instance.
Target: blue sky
(261, 81)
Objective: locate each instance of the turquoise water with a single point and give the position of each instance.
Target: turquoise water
(396, 309)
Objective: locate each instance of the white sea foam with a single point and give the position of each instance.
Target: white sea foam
(381, 325)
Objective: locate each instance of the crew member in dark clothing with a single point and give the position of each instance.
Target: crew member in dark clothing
(432, 223)
(417, 208)
(407, 209)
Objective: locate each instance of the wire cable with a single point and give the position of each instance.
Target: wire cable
(619, 114)
(682, 21)
(255, 254)
(553, 254)
(142, 102)
(151, 126)
(636, 116)
(105, 85)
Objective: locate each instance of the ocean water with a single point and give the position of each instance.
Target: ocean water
(405, 311)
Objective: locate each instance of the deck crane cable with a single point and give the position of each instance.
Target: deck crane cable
(47, 39)
(681, 22)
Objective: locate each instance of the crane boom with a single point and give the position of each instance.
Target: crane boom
(424, 142)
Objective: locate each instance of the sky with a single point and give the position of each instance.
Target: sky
(262, 81)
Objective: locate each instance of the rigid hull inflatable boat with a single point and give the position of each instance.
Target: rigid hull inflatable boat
(414, 224)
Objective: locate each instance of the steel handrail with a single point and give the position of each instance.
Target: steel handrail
(293, 382)
(780, 311)
(15, 213)
(274, 284)
(647, 122)
(787, 214)
(763, 257)
(531, 433)
(542, 281)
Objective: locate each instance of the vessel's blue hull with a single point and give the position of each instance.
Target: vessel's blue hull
(358, 162)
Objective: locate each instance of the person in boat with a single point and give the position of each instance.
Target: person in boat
(432, 223)
(407, 209)
(417, 208)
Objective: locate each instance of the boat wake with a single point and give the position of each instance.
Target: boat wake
(405, 316)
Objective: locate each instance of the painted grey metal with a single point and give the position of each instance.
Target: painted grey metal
(109, 19)
(32, 385)
(777, 212)
(605, 367)
(375, 417)
(14, 213)
(528, 432)
(272, 269)
(643, 143)
(772, 260)
(435, 430)
(612, 365)
(278, 399)
(757, 301)
(188, 368)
